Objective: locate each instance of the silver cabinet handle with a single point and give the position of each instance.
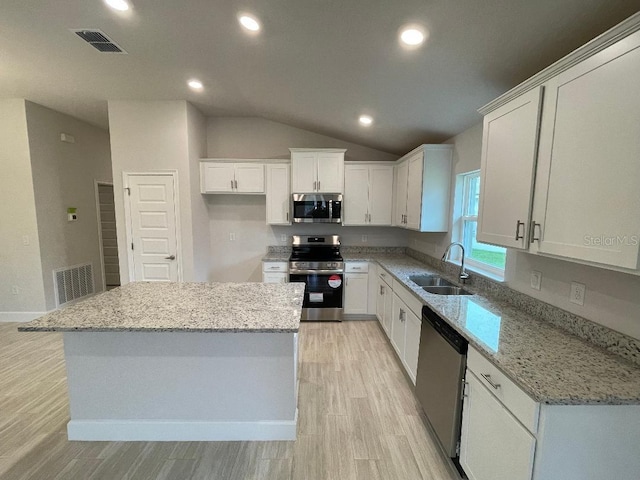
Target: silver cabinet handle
(532, 236)
(518, 236)
(401, 315)
(384, 275)
(236, 184)
(365, 218)
(314, 186)
(356, 268)
(231, 184)
(287, 216)
(381, 290)
(318, 185)
(170, 257)
(487, 377)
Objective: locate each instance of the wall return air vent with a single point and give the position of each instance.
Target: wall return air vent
(72, 283)
(98, 40)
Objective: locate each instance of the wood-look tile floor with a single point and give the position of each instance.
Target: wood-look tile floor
(358, 419)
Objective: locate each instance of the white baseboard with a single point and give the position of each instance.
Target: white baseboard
(178, 431)
(20, 316)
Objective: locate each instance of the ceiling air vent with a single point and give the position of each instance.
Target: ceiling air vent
(98, 40)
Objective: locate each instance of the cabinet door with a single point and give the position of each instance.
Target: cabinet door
(356, 195)
(218, 177)
(399, 312)
(274, 277)
(380, 301)
(589, 159)
(278, 195)
(249, 178)
(330, 172)
(414, 191)
(509, 147)
(303, 172)
(380, 194)
(413, 325)
(356, 293)
(388, 309)
(494, 445)
(400, 200)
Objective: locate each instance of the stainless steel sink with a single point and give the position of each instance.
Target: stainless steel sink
(447, 290)
(431, 281)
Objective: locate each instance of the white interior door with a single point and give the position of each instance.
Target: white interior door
(152, 216)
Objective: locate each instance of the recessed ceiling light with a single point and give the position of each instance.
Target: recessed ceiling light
(120, 5)
(365, 120)
(195, 84)
(412, 36)
(249, 22)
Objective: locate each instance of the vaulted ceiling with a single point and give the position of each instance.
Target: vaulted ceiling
(316, 64)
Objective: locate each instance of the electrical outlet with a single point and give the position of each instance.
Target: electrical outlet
(15, 290)
(283, 237)
(536, 279)
(232, 236)
(365, 238)
(577, 293)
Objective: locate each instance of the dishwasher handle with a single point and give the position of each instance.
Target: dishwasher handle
(446, 331)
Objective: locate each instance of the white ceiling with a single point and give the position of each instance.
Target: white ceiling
(317, 64)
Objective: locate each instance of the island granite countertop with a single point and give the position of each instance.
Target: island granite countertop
(549, 364)
(182, 307)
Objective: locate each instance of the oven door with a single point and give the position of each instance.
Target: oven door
(322, 295)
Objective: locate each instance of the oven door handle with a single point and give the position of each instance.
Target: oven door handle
(315, 272)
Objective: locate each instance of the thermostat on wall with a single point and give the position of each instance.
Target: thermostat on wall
(72, 216)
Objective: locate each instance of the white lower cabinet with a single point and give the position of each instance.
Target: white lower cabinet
(494, 446)
(356, 288)
(506, 435)
(384, 304)
(275, 272)
(405, 335)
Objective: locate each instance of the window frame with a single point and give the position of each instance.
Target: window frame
(463, 220)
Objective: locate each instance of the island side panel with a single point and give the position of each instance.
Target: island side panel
(181, 386)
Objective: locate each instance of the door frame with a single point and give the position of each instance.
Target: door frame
(127, 216)
(96, 184)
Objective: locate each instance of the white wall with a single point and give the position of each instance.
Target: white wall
(150, 137)
(197, 143)
(19, 264)
(64, 175)
(250, 137)
(611, 298)
(245, 215)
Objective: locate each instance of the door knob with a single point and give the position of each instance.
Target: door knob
(170, 257)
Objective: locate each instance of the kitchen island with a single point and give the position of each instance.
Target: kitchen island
(181, 361)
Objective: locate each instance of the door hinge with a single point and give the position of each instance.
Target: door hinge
(128, 190)
(458, 449)
(131, 245)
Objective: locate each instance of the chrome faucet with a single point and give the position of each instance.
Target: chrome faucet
(463, 275)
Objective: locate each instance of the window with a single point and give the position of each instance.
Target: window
(484, 257)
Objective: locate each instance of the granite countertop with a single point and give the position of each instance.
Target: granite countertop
(276, 257)
(551, 365)
(182, 307)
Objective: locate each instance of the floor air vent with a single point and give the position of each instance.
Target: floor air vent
(98, 40)
(73, 282)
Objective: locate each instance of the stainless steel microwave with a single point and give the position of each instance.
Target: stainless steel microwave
(317, 208)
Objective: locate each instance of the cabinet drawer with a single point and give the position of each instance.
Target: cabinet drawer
(521, 405)
(408, 298)
(356, 267)
(275, 267)
(385, 276)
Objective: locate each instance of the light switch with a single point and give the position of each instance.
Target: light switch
(536, 279)
(577, 293)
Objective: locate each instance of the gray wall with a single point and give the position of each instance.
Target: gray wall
(611, 298)
(250, 137)
(64, 175)
(19, 264)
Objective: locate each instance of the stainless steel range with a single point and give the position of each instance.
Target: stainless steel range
(316, 261)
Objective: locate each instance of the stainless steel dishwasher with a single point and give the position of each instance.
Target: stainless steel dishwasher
(442, 360)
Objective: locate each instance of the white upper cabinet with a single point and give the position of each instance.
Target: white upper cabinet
(509, 147)
(228, 177)
(422, 186)
(319, 171)
(278, 194)
(589, 174)
(368, 190)
(586, 205)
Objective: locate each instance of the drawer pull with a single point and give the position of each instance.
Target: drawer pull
(487, 377)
